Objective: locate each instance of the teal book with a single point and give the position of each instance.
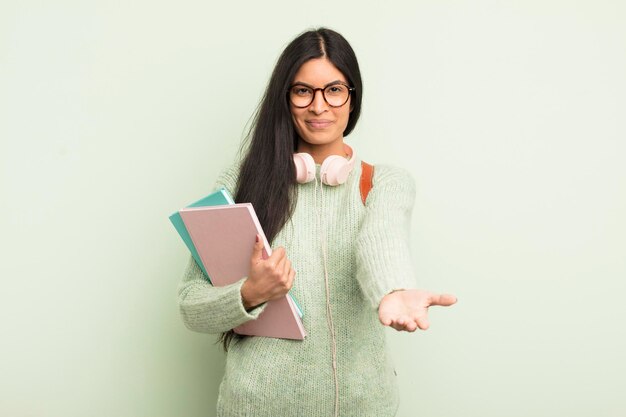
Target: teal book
(218, 198)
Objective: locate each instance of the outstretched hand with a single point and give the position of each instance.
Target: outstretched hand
(408, 309)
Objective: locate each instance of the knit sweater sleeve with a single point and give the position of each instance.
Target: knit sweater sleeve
(208, 309)
(383, 253)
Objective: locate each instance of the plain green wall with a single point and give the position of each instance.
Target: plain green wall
(510, 116)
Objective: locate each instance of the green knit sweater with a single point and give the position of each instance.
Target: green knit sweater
(368, 257)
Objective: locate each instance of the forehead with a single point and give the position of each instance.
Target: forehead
(318, 72)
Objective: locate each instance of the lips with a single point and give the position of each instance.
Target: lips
(319, 123)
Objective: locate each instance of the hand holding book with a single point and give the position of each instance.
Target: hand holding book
(220, 236)
(269, 278)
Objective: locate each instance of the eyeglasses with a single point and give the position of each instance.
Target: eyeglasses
(335, 94)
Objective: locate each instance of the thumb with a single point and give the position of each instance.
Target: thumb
(257, 250)
(443, 300)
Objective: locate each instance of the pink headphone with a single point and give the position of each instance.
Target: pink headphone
(334, 170)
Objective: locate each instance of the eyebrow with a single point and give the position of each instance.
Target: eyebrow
(325, 85)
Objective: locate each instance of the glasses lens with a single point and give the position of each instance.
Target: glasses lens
(300, 95)
(336, 95)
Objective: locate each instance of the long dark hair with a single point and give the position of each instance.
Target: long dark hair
(267, 177)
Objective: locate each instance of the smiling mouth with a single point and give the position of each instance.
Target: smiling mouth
(319, 124)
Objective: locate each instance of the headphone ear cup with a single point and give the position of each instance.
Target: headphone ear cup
(305, 167)
(334, 170)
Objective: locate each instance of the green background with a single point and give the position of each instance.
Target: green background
(510, 116)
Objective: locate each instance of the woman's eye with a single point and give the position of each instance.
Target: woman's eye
(335, 89)
(301, 91)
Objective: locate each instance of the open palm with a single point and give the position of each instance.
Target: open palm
(408, 309)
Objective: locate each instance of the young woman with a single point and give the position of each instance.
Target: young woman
(346, 261)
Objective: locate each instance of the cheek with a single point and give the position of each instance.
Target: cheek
(344, 116)
(297, 122)
(296, 114)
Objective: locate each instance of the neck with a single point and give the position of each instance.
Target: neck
(321, 152)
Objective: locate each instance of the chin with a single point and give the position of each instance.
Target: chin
(319, 139)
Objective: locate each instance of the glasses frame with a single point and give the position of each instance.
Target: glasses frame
(322, 89)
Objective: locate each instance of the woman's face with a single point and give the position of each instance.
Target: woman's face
(319, 123)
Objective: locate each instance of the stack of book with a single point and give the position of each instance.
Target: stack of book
(220, 236)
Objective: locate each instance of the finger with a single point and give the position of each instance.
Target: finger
(277, 255)
(291, 276)
(400, 323)
(279, 269)
(274, 260)
(442, 300)
(384, 318)
(411, 326)
(287, 267)
(406, 326)
(257, 250)
(422, 322)
(394, 325)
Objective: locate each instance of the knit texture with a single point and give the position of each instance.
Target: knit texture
(368, 256)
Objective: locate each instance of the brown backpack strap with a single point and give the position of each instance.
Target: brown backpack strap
(367, 174)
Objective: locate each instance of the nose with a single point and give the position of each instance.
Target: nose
(318, 105)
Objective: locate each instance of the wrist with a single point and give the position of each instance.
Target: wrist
(248, 299)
